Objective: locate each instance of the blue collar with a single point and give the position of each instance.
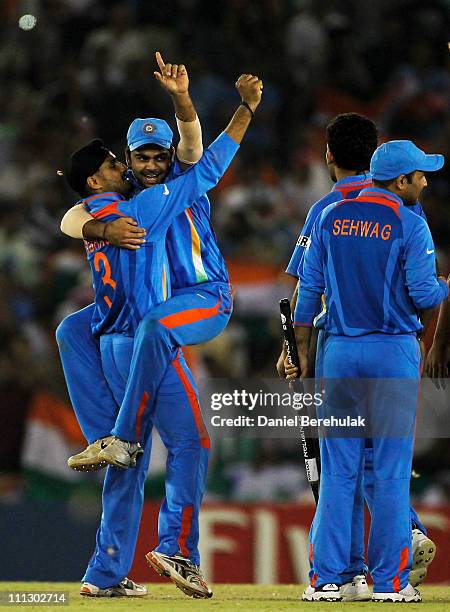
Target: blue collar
(348, 180)
(137, 187)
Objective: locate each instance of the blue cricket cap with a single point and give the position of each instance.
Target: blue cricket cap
(397, 157)
(149, 131)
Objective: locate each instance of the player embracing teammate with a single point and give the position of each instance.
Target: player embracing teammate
(122, 357)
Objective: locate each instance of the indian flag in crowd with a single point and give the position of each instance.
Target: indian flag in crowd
(52, 434)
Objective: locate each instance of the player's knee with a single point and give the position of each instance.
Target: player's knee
(188, 443)
(75, 329)
(151, 328)
(64, 331)
(347, 474)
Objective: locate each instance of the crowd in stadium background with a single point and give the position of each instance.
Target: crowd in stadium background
(85, 70)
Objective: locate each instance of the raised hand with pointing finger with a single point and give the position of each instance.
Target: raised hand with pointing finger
(172, 77)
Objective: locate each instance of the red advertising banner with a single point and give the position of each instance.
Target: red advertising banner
(268, 543)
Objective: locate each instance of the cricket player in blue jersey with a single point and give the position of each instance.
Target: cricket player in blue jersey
(351, 141)
(373, 260)
(201, 301)
(128, 284)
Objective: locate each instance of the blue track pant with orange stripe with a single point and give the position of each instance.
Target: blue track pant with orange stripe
(176, 416)
(390, 365)
(191, 316)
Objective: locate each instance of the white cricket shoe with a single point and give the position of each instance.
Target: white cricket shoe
(356, 590)
(423, 553)
(88, 460)
(417, 576)
(182, 572)
(308, 593)
(327, 592)
(407, 595)
(121, 454)
(125, 588)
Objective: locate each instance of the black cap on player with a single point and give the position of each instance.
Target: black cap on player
(85, 162)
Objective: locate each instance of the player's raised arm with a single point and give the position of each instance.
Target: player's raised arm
(250, 89)
(174, 79)
(156, 208)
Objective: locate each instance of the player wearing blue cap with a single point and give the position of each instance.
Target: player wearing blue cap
(351, 142)
(373, 260)
(201, 302)
(127, 285)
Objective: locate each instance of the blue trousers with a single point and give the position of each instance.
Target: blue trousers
(390, 365)
(357, 563)
(176, 415)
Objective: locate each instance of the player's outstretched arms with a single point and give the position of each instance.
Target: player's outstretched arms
(174, 79)
(123, 232)
(250, 88)
(157, 207)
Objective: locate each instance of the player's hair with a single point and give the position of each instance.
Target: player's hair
(385, 184)
(352, 139)
(86, 192)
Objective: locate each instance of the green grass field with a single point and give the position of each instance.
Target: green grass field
(232, 598)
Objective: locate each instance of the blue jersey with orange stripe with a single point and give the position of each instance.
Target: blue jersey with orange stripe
(348, 187)
(383, 257)
(192, 248)
(128, 283)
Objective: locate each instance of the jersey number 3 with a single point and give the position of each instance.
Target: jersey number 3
(106, 278)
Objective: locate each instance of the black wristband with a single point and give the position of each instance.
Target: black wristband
(245, 104)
